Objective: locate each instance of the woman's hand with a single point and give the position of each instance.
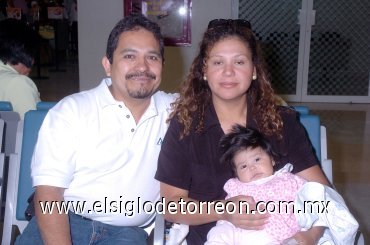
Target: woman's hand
(241, 216)
(245, 215)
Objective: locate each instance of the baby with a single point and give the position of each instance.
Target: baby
(252, 159)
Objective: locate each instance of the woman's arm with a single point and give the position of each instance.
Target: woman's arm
(309, 237)
(313, 235)
(314, 174)
(239, 219)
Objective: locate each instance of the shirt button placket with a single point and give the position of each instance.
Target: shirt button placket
(128, 117)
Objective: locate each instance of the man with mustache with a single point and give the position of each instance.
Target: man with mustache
(99, 148)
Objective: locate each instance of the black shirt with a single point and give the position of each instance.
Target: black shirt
(192, 163)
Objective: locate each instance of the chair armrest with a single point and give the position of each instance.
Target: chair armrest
(327, 168)
(360, 239)
(323, 143)
(159, 230)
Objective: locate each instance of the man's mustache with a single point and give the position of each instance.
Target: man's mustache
(146, 74)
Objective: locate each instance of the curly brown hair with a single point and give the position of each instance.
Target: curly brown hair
(195, 94)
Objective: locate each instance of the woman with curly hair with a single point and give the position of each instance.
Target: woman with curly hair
(228, 84)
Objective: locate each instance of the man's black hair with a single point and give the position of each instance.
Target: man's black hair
(130, 23)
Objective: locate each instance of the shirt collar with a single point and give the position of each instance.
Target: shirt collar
(211, 119)
(108, 100)
(8, 67)
(151, 111)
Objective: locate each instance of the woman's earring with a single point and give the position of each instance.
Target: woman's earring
(254, 77)
(204, 78)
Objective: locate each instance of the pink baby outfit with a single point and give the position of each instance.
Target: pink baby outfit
(282, 186)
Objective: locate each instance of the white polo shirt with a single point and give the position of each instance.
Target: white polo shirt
(90, 144)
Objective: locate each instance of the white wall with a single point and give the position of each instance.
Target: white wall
(96, 18)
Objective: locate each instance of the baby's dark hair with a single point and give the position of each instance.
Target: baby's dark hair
(241, 138)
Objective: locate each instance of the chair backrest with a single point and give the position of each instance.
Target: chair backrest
(6, 106)
(318, 138)
(11, 119)
(312, 124)
(31, 126)
(2, 134)
(301, 109)
(45, 105)
(19, 186)
(2, 165)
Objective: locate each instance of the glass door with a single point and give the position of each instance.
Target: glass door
(316, 50)
(339, 55)
(276, 25)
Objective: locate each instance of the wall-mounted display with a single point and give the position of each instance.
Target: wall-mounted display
(173, 16)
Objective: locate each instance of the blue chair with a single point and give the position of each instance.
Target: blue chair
(312, 126)
(8, 128)
(317, 135)
(19, 180)
(301, 109)
(6, 106)
(11, 119)
(45, 105)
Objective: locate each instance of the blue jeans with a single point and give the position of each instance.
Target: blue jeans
(86, 231)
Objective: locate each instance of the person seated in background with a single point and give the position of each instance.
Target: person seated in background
(252, 159)
(18, 48)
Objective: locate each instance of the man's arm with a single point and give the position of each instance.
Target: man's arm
(54, 227)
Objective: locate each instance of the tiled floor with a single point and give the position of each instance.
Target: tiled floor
(348, 130)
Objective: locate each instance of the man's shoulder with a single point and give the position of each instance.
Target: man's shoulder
(85, 96)
(81, 104)
(78, 98)
(14, 77)
(164, 100)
